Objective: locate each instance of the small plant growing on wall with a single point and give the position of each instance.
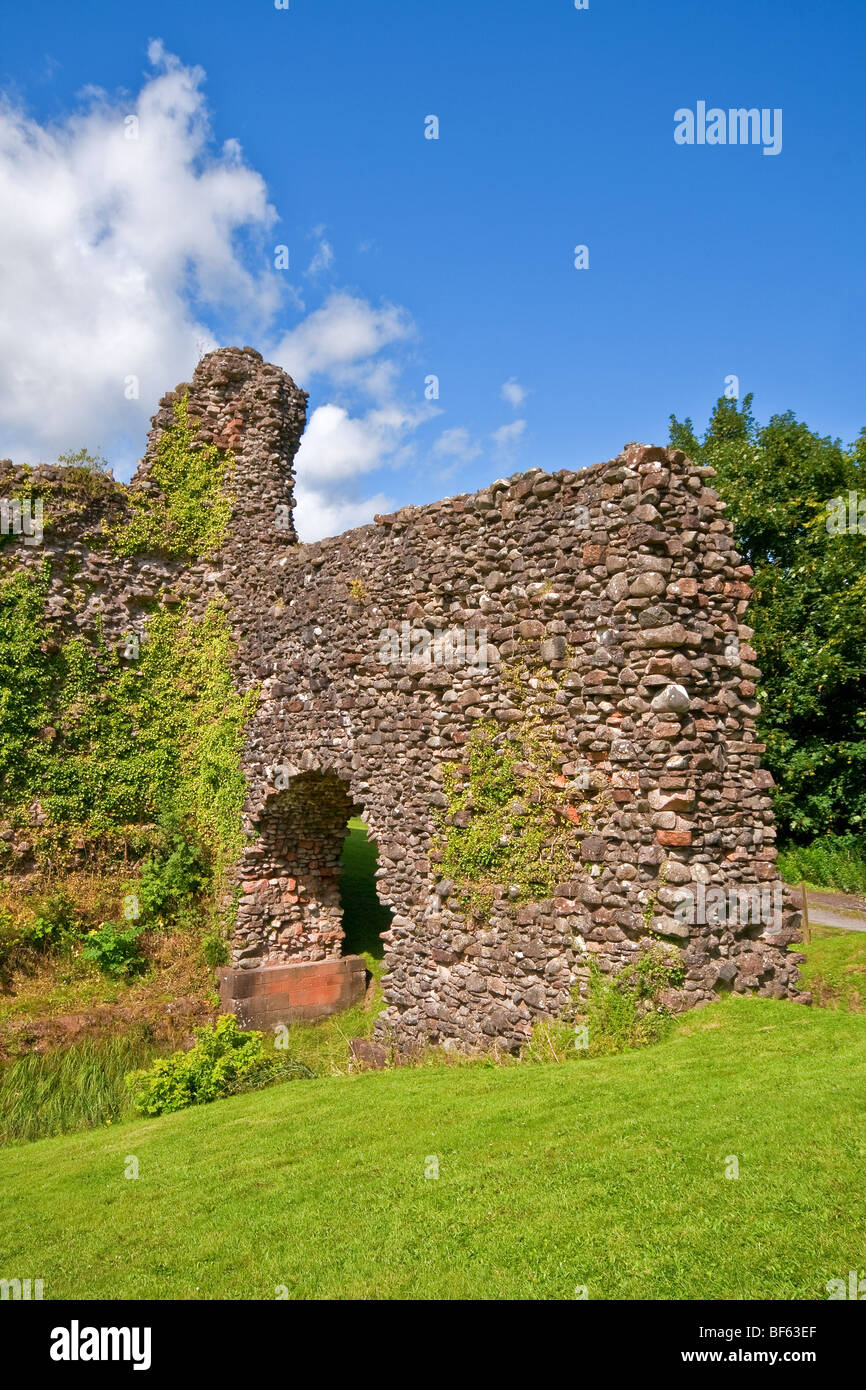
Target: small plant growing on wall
(624, 1009)
(508, 823)
(190, 517)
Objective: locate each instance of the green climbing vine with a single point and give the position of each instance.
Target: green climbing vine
(507, 821)
(106, 745)
(512, 818)
(191, 517)
(25, 673)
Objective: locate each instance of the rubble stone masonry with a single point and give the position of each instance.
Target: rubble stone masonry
(612, 607)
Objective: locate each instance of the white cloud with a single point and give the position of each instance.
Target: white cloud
(128, 257)
(337, 449)
(323, 258)
(457, 443)
(344, 331)
(513, 392)
(507, 437)
(317, 515)
(336, 445)
(101, 241)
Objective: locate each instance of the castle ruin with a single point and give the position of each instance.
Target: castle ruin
(597, 615)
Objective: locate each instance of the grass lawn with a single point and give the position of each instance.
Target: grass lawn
(608, 1173)
(835, 969)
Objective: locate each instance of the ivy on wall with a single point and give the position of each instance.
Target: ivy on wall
(106, 746)
(508, 821)
(191, 517)
(25, 675)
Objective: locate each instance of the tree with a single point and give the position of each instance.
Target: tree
(809, 611)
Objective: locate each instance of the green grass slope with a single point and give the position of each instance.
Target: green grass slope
(607, 1173)
(835, 969)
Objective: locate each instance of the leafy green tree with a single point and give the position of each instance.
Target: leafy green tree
(809, 611)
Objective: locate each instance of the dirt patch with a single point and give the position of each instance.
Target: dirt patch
(171, 1022)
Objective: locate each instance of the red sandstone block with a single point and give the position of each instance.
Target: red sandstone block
(304, 990)
(674, 837)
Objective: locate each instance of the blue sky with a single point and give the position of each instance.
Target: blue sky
(454, 256)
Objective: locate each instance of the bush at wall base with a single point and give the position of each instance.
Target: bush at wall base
(225, 1061)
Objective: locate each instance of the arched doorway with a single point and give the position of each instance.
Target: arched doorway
(309, 881)
(307, 933)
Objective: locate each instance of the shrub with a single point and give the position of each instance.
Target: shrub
(171, 879)
(54, 927)
(55, 924)
(833, 861)
(224, 1061)
(214, 950)
(115, 948)
(87, 472)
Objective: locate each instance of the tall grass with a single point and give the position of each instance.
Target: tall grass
(79, 1087)
(834, 861)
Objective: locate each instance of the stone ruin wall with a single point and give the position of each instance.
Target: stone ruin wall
(620, 580)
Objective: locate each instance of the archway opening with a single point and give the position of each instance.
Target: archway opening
(364, 916)
(309, 882)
